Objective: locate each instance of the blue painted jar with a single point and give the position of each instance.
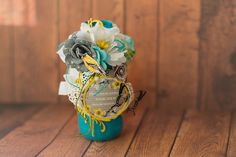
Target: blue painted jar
(112, 130)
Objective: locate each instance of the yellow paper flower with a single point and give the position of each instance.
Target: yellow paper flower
(102, 44)
(115, 85)
(88, 108)
(98, 112)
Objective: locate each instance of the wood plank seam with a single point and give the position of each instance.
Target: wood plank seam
(136, 16)
(67, 25)
(91, 10)
(229, 132)
(178, 53)
(12, 50)
(177, 132)
(133, 137)
(18, 124)
(158, 52)
(58, 41)
(136, 131)
(202, 134)
(124, 16)
(200, 78)
(83, 154)
(53, 139)
(200, 67)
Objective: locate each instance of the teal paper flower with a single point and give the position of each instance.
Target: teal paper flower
(107, 23)
(120, 45)
(102, 57)
(126, 43)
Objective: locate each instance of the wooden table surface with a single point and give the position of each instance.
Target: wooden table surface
(51, 131)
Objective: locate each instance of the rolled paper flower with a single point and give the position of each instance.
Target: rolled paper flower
(107, 23)
(102, 57)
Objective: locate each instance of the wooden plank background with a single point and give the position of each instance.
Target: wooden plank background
(186, 53)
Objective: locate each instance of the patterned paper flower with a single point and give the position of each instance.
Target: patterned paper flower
(121, 72)
(72, 50)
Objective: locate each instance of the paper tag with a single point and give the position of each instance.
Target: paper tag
(63, 88)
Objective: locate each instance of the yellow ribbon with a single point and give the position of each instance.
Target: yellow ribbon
(91, 123)
(91, 21)
(92, 65)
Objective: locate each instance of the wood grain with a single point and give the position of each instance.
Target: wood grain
(150, 98)
(71, 15)
(6, 54)
(141, 24)
(218, 54)
(13, 116)
(157, 133)
(185, 49)
(202, 134)
(6, 65)
(232, 137)
(30, 138)
(35, 59)
(178, 56)
(68, 143)
(118, 146)
(110, 10)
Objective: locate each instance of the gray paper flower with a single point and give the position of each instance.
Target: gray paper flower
(74, 49)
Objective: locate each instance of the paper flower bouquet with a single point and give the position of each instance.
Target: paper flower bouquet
(96, 58)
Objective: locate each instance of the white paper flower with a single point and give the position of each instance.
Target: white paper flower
(98, 34)
(116, 58)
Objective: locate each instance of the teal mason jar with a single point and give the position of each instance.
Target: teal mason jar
(99, 131)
